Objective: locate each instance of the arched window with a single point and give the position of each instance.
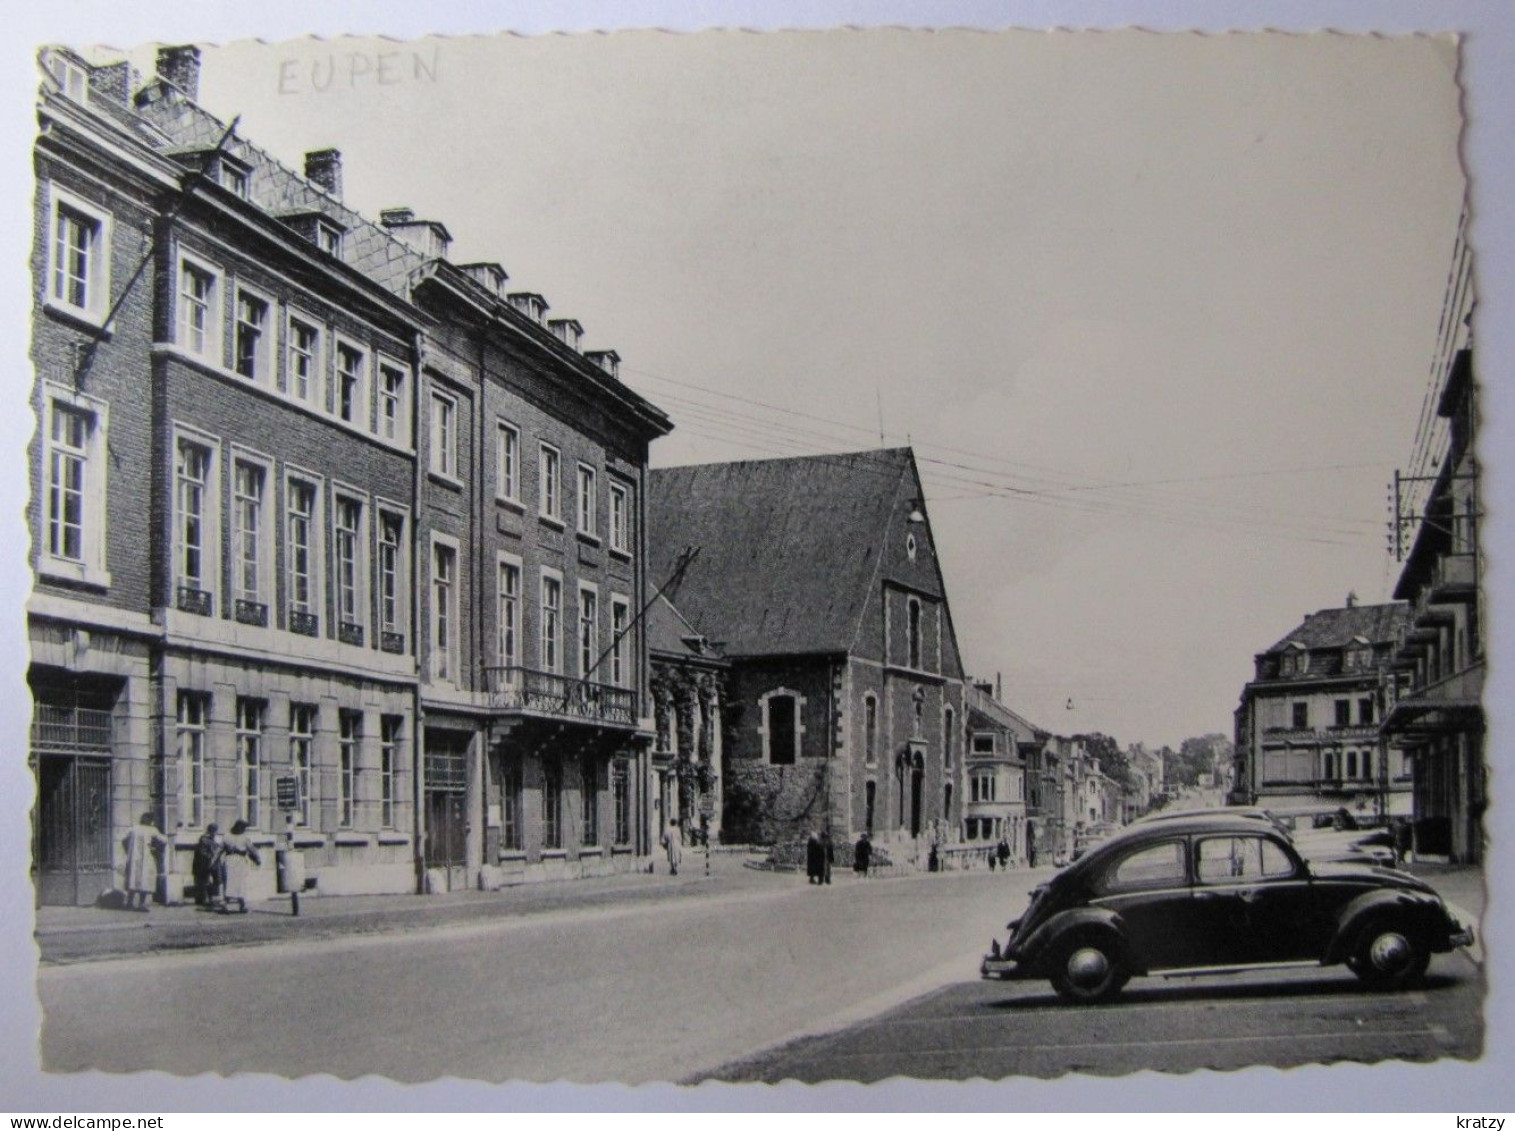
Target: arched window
(870, 729)
(914, 628)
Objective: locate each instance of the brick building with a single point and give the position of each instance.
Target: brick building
(311, 502)
(1307, 737)
(845, 706)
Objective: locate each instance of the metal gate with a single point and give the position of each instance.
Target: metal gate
(71, 752)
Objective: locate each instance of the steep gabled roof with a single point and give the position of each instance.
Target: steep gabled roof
(1335, 628)
(788, 547)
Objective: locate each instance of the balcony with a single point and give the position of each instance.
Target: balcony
(193, 600)
(306, 624)
(560, 697)
(349, 633)
(392, 642)
(251, 612)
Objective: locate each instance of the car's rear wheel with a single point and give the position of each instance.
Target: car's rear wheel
(1088, 969)
(1388, 956)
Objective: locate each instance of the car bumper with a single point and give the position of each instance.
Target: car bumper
(1000, 969)
(1462, 926)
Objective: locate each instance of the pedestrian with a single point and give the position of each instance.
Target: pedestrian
(1030, 853)
(673, 845)
(828, 856)
(141, 875)
(207, 866)
(1004, 855)
(813, 859)
(992, 858)
(239, 858)
(862, 856)
(1402, 841)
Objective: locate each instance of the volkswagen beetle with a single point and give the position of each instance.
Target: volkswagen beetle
(1220, 894)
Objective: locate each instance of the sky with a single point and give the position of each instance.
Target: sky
(1155, 312)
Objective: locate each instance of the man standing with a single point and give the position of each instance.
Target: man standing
(673, 845)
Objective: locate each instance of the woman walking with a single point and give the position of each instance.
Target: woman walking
(241, 857)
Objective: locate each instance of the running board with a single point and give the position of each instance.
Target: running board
(1197, 971)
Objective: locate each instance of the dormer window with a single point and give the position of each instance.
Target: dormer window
(329, 238)
(234, 180)
(1295, 661)
(71, 76)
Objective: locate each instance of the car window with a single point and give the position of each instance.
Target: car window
(1157, 865)
(1226, 859)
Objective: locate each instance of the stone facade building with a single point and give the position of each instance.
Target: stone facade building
(1307, 737)
(995, 772)
(819, 578)
(689, 677)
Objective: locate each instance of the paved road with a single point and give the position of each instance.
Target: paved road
(654, 990)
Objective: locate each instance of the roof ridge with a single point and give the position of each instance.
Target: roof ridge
(815, 456)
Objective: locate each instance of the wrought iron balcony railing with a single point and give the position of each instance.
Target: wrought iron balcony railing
(392, 642)
(306, 624)
(546, 693)
(349, 633)
(251, 612)
(193, 600)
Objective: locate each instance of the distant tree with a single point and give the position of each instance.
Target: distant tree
(1110, 757)
(1205, 754)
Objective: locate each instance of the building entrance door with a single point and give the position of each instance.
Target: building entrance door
(917, 785)
(447, 812)
(73, 858)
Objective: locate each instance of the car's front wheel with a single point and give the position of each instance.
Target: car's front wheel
(1387, 956)
(1088, 970)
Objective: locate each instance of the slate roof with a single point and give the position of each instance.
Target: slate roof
(668, 634)
(789, 548)
(1335, 628)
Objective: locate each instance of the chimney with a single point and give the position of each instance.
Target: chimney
(531, 304)
(181, 66)
(430, 237)
(113, 81)
(999, 687)
(323, 167)
(608, 360)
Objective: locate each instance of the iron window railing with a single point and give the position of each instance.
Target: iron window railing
(514, 688)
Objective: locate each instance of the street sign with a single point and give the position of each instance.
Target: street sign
(287, 791)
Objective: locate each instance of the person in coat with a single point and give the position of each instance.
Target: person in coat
(862, 855)
(673, 845)
(141, 875)
(813, 857)
(208, 866)
(1003, 852)
(239, 860)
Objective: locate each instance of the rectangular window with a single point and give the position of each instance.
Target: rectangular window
(78, 269)
(589, 631)
(508, 462)
(198, 323)
(194, 561)
(444, 435)
(782, 718)
(1365, 712)
(248, 542)
(191, 757)
(552, 613)
(589, 801)
(1301, 716)
(588, 501)
(234, 180)
(304, 359)
(620, 649)
(351, 405)
(443, 612)
(949, 737)
(249, 758)
(508, 650)
(302, 749)
(510, 809)
(347, 558)
(620, 518)
(252, 336)
(870, 730)
(548, 466)
(303, 559)
(552, 806)
(72, 78)
(392, 403)
(389, 759)
(620, 781)
(1343, 712)
(349, 738)
(391, 582)
(329, 238)
(67, 476)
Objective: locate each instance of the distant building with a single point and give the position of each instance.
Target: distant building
(994, 799)
(819, 575)
(1436, 718)
(1307, 736)
(689, 675)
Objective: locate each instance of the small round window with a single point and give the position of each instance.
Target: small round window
(910, 546)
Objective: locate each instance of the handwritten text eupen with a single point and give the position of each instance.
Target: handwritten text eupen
(355, 70)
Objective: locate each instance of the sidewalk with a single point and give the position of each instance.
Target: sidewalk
(74, 934)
